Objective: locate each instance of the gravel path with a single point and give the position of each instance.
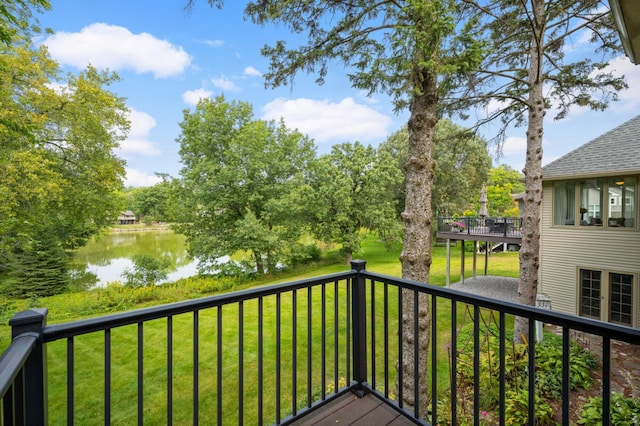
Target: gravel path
(502, 288)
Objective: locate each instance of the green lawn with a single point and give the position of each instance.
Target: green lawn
(89, 349)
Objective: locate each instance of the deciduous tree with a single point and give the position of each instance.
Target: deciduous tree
(242, 184)
(351, 196)
(59, 173)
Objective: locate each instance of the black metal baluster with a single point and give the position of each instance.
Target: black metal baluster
(309, 348)
(386, 340)
(434, 364)
(294, 357)
(416, 356)
(170, 369)
(532, 372)
(400, 351)
(373, 335)
(140, 373)
(219, 368)
(196, 367)
(566, 384)
(503, 366)
(278, 344)
(324, 341)
(70, 381)
(240, 362)
(454, 362)
(336, 340)
(260, 356)
(606, 381)
(476, 365)
(107, 376)
(348, 333)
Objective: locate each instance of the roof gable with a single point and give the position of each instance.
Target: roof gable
(615, 152)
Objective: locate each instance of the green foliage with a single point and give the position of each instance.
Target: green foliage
(517, 409)
(548, 363)
(351, 191)
(59, 172)
(147, 271)
(16, 17)
(462, 164)
(503, 182)
(243, 185)
(37, 269)
(623, 411)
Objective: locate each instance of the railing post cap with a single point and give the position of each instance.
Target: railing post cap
(358, 265)
(36, 315)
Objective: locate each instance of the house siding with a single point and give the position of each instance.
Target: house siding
(564, 250)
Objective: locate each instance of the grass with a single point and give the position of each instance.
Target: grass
(89, 349)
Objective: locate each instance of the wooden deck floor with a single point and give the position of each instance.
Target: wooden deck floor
(351, 410)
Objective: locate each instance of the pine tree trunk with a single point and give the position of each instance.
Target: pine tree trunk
(530, 248)
(416, 253)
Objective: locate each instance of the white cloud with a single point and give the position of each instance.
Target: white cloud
(212, 43)
(192, 97)
(224, 84)
(137, 141)
(628, 99)
(251, 71)
(116, 48)
(139, 178)
(514, 145)
(328, 121)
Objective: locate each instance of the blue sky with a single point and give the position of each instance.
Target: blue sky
(167, 59)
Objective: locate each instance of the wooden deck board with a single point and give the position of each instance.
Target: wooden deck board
(351, 410)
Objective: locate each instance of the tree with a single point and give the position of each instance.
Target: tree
(147, 271)
(503, 183)
(462, 164)
(410, 50)
(57, 136)
(242, 184)
(152, 203)
(529, 70)
(350, 195)
(16, 17)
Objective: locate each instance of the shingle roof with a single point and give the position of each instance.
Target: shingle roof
(615, 152)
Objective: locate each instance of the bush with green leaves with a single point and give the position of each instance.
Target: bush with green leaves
(147, 271)
(624, 411)
(548, 370)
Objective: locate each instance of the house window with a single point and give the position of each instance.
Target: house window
(623, 212)
(564, 200)
(591, 191)
(590, 293)
(608, 296)
(621, 297)
(608, 203)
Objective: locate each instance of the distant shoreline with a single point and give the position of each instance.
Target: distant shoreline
(140, 228)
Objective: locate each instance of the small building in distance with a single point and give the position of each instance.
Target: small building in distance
(127, 218)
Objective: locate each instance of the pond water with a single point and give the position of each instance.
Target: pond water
(105, 257)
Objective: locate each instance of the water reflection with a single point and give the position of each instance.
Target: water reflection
(106, 256)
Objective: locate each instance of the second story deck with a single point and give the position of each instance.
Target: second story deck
(494, 229)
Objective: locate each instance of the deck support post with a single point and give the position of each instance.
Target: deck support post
(448, 265)
(33, 322)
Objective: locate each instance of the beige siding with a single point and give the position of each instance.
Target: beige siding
(566, 249)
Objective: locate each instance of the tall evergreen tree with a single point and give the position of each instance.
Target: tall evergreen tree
(411, 50)
(531, 69)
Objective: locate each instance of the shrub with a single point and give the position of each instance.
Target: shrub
(147, 271)
(624, 411)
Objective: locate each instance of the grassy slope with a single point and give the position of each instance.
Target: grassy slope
(124, 358)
